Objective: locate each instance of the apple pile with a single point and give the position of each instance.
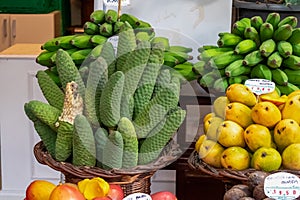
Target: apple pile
(86, 189)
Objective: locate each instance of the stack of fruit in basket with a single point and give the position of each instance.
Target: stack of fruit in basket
(247, 131)
(102, 26)
(254, 48)
(91, 189)
(120, 113)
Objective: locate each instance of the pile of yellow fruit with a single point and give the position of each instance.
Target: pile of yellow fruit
(245, 130)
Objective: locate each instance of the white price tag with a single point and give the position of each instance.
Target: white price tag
(114, 3)
(260, 86)
(282, 186)
(138, 196)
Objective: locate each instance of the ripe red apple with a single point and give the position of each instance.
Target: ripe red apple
(66, 191)
(163, 195)
(115, 192)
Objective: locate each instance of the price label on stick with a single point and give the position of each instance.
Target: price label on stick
(260, 86)
(138, 196)
(114, 3)
(282, 186)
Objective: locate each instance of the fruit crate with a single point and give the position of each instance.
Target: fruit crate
(39, 7)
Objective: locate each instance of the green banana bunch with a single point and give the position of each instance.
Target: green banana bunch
(274, 19)
(292, 62)
(293, 76)
(111, 16)
(237, 79)
(245, 46)
(266, 31)
(287, 89)
(283, 32)
(228, 39)
(97, 16)
(82, 41)
(237, 68)
(256, 22)
(44, 58)
(252, 33)
(253, 58)
(291, 20)
(239, 26)
(279, 77)
(295, 37)
(261, 71)
(267, 47)
(185, 70)
(207, 54)
(90, 28)
(221, 61)
(221, 84)
(106, 29)
(199, 67)
(296, 49)
(284, 48)
(274, 60)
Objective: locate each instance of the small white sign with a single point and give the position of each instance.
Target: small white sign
(260, 86)
(114, 41)
(282, 186)
(114, 3)
(138, 196)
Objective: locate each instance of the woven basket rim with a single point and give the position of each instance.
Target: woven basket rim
(169, 155)
(226, 175)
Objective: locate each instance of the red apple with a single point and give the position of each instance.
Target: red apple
(66, 191)
(115, 192)
(102, 198)
(163, 195)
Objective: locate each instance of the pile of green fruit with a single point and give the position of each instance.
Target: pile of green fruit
(102, 26)
(254, 48)
(120, 113)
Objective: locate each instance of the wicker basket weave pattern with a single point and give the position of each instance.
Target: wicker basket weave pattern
(133, 180)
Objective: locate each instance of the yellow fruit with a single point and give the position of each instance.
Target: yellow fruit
(219, 105)
(39, 190)
(235, 158)
(93, 188)
(266, 114)
(239, 113)
(257, 136)
(277, 101)
(199, 142)
(273, 94)
(231, 134)
(294, 93)
(286, 132)
(266, 159)
(210, 152)
(211, 128)
(291, 108)
(291, 157)
(208, 116)
(241, 93)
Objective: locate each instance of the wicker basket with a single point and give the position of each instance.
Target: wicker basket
(132, 181)
(226, 175)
